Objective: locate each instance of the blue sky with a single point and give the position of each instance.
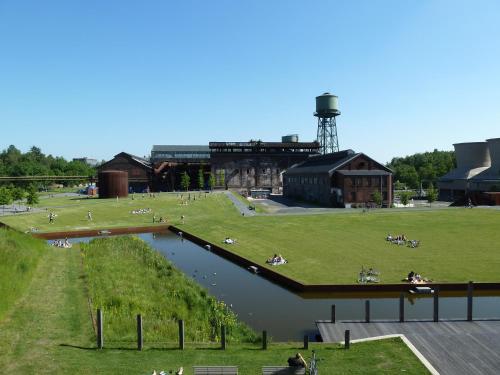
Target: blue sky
(94, 78)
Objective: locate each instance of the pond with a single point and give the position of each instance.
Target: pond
(285, 315)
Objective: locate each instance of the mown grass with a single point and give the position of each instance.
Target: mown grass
(457, 245)
(126, 277)
(19, 256)
(49, 331)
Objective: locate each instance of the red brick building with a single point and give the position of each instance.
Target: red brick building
(341, 179)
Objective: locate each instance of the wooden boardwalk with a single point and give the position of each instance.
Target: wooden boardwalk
(451, 347)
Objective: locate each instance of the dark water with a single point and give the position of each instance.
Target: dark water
(264, 305)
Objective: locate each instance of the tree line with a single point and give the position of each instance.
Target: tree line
(15, 163)
(421, 169)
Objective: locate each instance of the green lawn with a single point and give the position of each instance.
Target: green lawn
(457, 245)
(49, 331)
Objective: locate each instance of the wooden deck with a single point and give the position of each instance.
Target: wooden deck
(451, 347)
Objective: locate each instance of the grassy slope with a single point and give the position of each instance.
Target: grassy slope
(457, 244)
(126, 277)
(19, 256)
(49, 331)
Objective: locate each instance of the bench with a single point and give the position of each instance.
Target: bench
(215, 370)
(283, 370)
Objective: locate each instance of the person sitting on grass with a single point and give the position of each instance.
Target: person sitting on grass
(297, 361)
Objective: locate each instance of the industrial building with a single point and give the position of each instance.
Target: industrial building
(257, 164)
(339, 179)
(139, 170)
(315, 171)
(476, 175)
(235, 165)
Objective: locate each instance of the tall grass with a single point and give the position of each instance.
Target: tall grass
(126, 277)
(19, 256)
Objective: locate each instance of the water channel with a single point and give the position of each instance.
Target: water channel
(287, 316)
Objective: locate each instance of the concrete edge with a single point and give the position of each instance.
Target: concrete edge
(408, 343)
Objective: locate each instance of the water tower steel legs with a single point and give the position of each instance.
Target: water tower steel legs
(327, 135)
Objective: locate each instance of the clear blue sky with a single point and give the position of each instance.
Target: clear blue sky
(94, 78)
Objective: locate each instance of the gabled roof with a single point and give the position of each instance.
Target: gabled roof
(329, 163)
(137, 159)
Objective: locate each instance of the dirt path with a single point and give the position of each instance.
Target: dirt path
(51, 316)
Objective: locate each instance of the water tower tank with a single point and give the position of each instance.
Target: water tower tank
(112, 184)
(472, 155)
(291, 138)
(327, 105)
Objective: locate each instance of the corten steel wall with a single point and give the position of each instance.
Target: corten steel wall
(113, 184)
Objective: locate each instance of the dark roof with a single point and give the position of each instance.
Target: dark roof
(329, 163)
(322, 163)
(177, 148)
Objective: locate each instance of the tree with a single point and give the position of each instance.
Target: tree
(201, 179)
(428, 166)
(222, 177)
(377, 198)
(32, 196)
(432, 194)
(5, 195)
(211, 181)
(185, 181)
(405, 196)
(17, 193)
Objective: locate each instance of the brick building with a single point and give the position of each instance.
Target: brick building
(340, 179)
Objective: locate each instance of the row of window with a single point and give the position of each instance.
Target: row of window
(309, 180)
(249, 170)
(181, 155)
(366, 181)
(351, 181)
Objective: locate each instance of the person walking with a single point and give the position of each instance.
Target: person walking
(89, 216)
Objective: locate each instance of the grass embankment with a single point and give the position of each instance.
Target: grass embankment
(126, 277)
(49, 331)
(19, 256)
(457, 245)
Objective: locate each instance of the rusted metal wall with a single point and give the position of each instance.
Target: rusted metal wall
(113, 184)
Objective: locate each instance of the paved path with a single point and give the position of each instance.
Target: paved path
(452, 347)
(243, 208)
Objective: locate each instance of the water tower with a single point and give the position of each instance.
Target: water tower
(327, 109)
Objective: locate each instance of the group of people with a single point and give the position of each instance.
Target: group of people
(368, 276)
(276, 260)
(60, 243)
(52, 216)
(415, 278)
(141, 211)
(161, 219)
(399, 239)
(402, 240)
(180, 371)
